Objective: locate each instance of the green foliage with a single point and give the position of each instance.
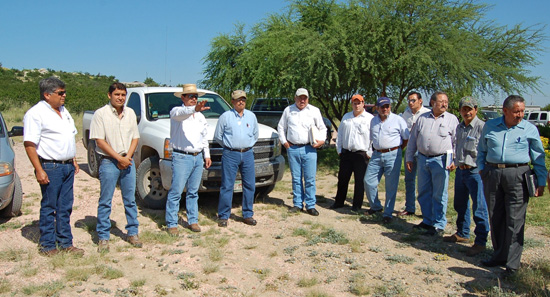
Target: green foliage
(374, 47)
(84, 91)
(546, 108)
(544, 131)
(150, 82)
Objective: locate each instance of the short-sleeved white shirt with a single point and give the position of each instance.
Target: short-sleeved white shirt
(52, 134)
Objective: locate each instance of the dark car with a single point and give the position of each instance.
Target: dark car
(11, 193)
(268, 111)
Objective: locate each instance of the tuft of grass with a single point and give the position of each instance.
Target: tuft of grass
(307, 282)
(290, 250)
(10, 226)
(428, 270)
(5, 286)
(284, 277)
(391, 289)
(107, 272)
(358, 285)
(329, 236)
(215, 254)
(400, 259)
(187, 281)
(210, 267)
(79, 274)
(316, 293)
(355, 246)
(533, 243)
(12, 254)
(160, 237)
(533, 279)
(301, 232)
(262, 273)
(47, 289)
(138, 283)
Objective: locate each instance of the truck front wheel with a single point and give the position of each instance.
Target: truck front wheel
(149, 189)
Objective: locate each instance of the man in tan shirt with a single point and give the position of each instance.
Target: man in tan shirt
(114, 129)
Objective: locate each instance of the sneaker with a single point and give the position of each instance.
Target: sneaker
(294, 209)
(103, 246)
(73, 250)
(173, 231)
(455, 238)
(475, 249)
(195, 227)
(134, 241)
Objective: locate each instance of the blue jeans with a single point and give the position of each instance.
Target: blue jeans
(186, 172)
(433, 182)
(388, 164)
(303, 167)
(468, 183)
(231, 162)
(109, 175)
(56, 207)
(410, 186)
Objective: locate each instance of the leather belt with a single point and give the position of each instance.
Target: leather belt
(466, 167)
(297, 144)
(507, 165)
(387, 150)
(187, 153)
(354, 152)
(432, 156)
(240, 150)
(42, 160)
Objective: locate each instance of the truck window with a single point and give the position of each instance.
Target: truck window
(134, 104)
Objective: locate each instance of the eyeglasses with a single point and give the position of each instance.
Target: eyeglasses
(384, 106)
(59, 93)
(192, 96)
(242, 99)
(412, 101)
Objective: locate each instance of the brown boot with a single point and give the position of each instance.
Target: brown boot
(195, 227)
(474, 250)
(134, 240)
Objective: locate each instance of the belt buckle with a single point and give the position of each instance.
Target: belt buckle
(501, 166)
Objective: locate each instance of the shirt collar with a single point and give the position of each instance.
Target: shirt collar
(521, 124)
(113, 109)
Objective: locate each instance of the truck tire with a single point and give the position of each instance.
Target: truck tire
(93, 160)
(261, 193)
(149, 189)
(14, 208)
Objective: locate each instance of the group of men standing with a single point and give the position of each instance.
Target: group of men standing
(491, 161)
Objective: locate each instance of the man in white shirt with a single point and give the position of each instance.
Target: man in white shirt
(189, 142)
(51, 148)
(413, 111)
(295, 127)
(114, 129)
(389, 135)
(353, 145)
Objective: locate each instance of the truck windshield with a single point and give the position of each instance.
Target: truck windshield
(270, 104)
(159, 105)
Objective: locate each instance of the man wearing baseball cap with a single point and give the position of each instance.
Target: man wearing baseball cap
(468, 181)
(295, 130)
(353, 145)
(237, 132)
(389, 134)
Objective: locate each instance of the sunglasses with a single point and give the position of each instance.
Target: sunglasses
(59, 93)
(412, 101)
(192, 96)
(240, 99)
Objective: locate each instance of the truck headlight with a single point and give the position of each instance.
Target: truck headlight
(276, 147)
(5, 168)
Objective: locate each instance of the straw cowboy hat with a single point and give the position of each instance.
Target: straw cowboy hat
(189, 89)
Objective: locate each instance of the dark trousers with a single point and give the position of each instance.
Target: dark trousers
(507, 198)
(356, 163)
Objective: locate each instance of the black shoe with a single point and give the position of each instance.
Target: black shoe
(222, 223)
(508, 273)
(422, 226)
(386, 220)
(492, 263)
(294, 209)
(313, 212)
(371, 211)
(434, 232)
(336, 206)
(355, 209)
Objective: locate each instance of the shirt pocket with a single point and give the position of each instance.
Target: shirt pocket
(521, 144)
(471, 144)
(361, 127)
(443, 131)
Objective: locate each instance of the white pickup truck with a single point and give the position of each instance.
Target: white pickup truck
(153, 156)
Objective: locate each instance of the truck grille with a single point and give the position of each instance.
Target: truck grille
(264, 150)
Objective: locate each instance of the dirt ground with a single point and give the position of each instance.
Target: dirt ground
(335, 254)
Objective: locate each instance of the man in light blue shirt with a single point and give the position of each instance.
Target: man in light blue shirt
(389, 134)
(237, 132)
(506, 147)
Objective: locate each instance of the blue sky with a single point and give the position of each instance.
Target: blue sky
(167, 39)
